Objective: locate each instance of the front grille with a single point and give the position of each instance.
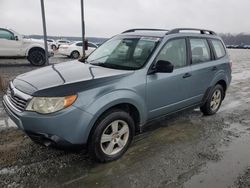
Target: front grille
(17, 101)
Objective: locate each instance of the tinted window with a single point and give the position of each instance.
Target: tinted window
(49, 40)
(63, 41)
(219, 48)
(79, 44)
(91, 45)
(200, 51)
(175, 52)
(6, 35)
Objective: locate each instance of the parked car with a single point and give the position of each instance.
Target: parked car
(246, 46)
(52, 44)
(132, 79)
(74, 50)
(13, 44)
(62, 41)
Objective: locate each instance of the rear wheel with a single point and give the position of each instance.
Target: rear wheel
(112, 136)
(75, 54)
(37, 57)
(214, 101)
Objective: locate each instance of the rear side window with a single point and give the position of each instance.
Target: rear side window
(79, 44)
(91, 45)
(200, 51)
(218, 48)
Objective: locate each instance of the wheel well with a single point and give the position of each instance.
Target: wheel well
(224, 85)
(129, 108)
(75, 51)
(36, 48)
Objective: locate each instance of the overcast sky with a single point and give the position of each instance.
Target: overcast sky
(105, 18)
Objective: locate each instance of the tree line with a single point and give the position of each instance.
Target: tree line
(237, 39)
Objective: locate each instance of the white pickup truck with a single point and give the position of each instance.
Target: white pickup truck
(15, 45)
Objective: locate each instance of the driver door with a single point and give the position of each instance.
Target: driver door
(9, 46)
(169, 92)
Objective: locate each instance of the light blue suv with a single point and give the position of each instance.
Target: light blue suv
(133, 78)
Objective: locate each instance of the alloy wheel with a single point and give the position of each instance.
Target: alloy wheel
(115, 137)
(216, 100)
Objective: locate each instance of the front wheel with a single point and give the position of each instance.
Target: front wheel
(112, 136)
(214, 101)
(37, 57)
(75, 54)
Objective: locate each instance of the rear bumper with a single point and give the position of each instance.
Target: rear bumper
(66, 127)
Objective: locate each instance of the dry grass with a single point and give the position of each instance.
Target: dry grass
(3, 83)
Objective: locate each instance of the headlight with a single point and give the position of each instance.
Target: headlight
(47, 105)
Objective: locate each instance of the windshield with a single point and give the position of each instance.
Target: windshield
(124, 53)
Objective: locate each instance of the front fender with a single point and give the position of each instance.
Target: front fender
(105, 102)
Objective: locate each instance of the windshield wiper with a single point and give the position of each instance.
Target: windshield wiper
(99, 64)
(83, 60)
(112, 66)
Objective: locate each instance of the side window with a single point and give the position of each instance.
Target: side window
(79, 44)
(175, 51)
(91, 45)
(219, 48)
(4, 34)
(200, 51)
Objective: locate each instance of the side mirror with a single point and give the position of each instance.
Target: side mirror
(16, 38)
(164, 67)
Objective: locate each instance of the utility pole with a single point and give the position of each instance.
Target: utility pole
(44, 33)
(83, 29)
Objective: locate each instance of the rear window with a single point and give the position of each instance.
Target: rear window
(200, 50)
(218, 48)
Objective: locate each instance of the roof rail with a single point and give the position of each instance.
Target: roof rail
(143, 29)
(202, 31)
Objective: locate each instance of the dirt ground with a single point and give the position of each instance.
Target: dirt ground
(185, 150)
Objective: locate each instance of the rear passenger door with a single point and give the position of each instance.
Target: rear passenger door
(202, 65)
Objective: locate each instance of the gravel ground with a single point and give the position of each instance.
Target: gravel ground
(185, 150)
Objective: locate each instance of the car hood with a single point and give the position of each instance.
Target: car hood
(66, 78)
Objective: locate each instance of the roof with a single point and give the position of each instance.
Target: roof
(146, 33)
(162, 32)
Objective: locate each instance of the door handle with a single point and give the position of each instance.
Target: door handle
(186, 75)
(214, 68)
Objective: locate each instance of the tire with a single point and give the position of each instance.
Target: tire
(75, 54)
(214, 100)
(37, 57)
(105, 144)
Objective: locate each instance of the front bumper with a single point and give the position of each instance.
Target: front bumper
(50, 53)
(65, 52)
(70, 126)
